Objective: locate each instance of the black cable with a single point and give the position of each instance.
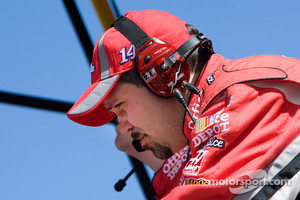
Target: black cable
(122, 182)
(181, 99)
(143, 178)
(191, 88)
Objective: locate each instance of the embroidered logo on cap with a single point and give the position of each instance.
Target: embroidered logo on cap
(92, 68)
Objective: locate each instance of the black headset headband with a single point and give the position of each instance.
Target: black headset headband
(131, 31)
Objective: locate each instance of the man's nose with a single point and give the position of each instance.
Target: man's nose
(125, 126)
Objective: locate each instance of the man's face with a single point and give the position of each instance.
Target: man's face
(148, 118)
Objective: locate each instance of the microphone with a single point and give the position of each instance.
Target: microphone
(122, 182)
(137, 145)
(192, 88)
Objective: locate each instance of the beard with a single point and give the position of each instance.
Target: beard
(160, 151)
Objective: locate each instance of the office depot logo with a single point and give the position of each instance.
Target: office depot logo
(209, 126)
(175, 163)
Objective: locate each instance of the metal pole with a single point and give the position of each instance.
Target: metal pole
(35, 102)
(80, 29)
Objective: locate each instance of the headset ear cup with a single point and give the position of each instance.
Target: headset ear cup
(149, 59)
(163, 82)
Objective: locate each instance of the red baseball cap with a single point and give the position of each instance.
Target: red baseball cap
(113, 55)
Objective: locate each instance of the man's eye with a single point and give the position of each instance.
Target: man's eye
(118, 105)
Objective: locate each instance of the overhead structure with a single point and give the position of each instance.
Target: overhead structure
(104, 12)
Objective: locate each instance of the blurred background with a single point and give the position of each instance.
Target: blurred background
(44, 155)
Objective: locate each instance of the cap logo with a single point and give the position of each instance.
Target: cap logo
(92, 69)
(127, 54)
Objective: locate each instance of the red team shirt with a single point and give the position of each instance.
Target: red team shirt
(247, 128)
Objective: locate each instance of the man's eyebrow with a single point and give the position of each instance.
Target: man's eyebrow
(111, 103)
(110, 112)
(108, 108)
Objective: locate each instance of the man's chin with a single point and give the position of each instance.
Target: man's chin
(162, 154)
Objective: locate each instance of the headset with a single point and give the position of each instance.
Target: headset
(160, 65)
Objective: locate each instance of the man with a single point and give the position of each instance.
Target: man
(240, 122)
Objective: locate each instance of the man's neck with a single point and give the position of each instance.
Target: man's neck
(193, 78)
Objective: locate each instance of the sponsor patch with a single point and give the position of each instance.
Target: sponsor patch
(210, 79)
(205, 122)
(214, 142)
(194, 164)
(173, 164)
(209, 126)
(199, 181)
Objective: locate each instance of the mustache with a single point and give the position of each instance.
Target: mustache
(136, 135)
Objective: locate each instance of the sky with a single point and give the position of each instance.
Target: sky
(44, 155)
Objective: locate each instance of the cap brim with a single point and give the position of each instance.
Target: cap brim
(89, 109)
